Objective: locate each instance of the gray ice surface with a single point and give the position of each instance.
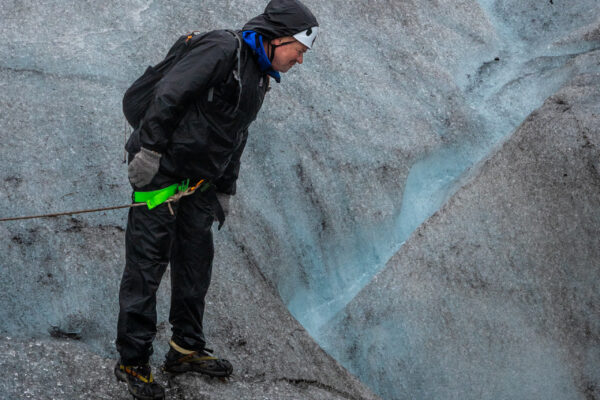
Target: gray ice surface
(350, 154)
(497, 295)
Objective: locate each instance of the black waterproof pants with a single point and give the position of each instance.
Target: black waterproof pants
(153, 239)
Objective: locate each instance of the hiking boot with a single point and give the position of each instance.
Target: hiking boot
(197, 361)
(139, 381)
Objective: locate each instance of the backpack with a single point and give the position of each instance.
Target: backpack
(138, 96)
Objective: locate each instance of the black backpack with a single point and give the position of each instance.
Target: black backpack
(138, 96)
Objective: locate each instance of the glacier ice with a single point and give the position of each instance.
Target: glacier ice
(351, 153)
(495, 296)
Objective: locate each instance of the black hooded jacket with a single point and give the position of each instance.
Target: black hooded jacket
(202, 136)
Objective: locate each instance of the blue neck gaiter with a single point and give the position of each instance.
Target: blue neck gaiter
(255, 41)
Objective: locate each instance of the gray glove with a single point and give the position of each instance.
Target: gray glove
(224, 201)
(143, 167)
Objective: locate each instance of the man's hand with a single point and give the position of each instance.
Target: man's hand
(143, 167)
(224, 201)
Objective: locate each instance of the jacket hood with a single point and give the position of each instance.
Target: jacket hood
(282, 18)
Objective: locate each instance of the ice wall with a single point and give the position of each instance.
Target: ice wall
(353, 151)
(496, 296)
(397, 101)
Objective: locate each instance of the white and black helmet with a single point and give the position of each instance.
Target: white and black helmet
(308, 36)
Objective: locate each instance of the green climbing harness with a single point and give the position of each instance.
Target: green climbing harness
(157, 197)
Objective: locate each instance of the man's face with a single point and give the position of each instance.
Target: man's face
(290, 54)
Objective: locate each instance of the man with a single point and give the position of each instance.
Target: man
(195, 129)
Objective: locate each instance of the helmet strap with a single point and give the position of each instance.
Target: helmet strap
(275, 46)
